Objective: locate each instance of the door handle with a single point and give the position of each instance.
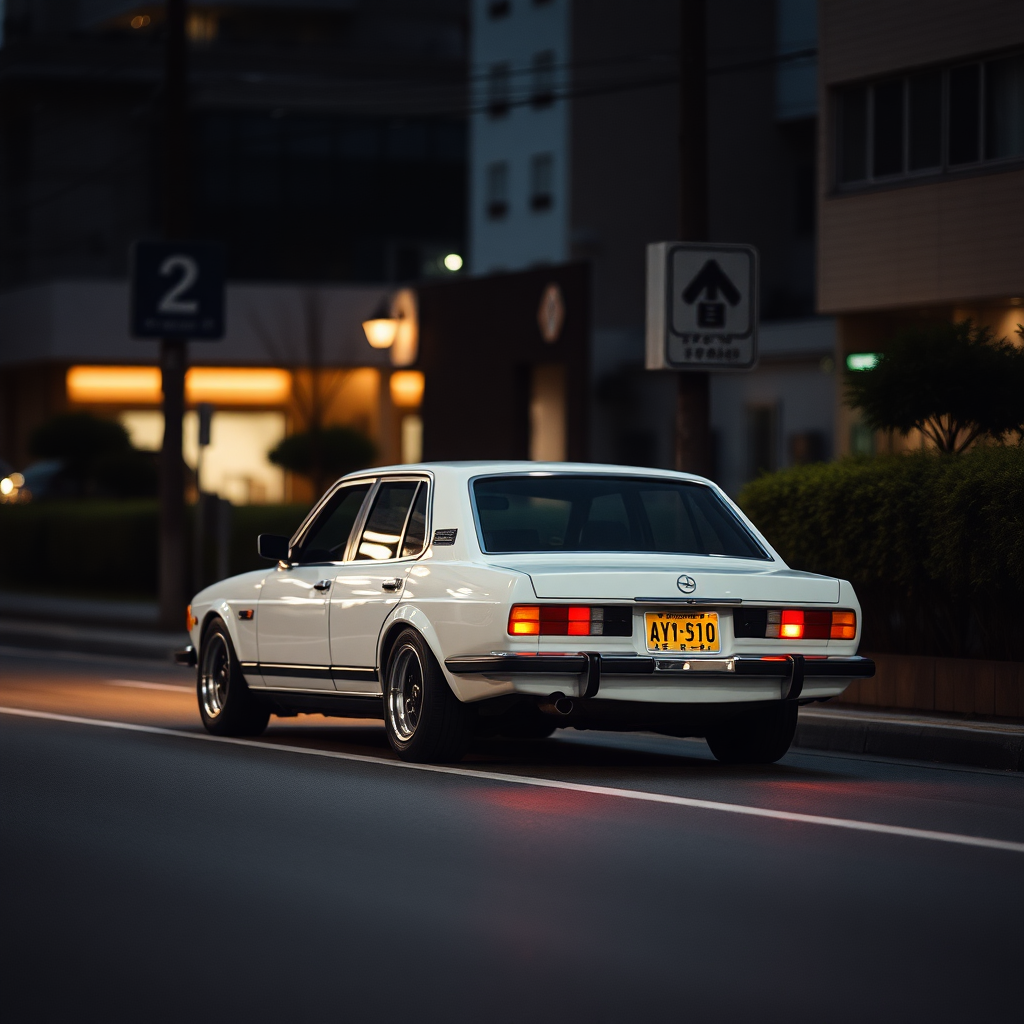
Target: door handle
(322, 585)
(391, 585)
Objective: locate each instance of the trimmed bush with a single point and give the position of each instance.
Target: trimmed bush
(934, 544)
(110, 547)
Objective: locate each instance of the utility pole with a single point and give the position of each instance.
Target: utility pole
(175, 167)
(693, 452)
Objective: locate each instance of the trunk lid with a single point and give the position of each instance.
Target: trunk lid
(753, 582)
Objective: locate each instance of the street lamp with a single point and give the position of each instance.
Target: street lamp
(395, 325)
(381, 328)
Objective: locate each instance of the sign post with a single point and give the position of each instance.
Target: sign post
(701, 307)
(177, 293)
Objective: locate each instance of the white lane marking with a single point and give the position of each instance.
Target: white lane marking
(526, 780)
(142, 685)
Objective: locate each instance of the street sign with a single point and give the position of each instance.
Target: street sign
(701, 306)
(177, 290)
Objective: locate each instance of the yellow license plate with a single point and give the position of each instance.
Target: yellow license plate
(682, 631)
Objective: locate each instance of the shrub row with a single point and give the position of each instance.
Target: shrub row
(933, 544)
(110, 547)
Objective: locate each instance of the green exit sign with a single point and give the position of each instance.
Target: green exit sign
(862, 360)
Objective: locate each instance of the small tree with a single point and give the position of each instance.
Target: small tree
(954, 382)
(325, 455)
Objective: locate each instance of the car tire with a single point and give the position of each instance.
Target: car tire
(226, 704)
(761, 736)
(424, 720)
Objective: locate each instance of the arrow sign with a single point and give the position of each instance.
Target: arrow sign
(711, 279)
(701, 307)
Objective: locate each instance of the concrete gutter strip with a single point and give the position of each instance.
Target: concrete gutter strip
(916, 737)
(52, 636)
(50, 608)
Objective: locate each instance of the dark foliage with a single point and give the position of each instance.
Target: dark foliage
(953, 382)
(324, 455)
(113, 544)
(934, 544)
(98, 458)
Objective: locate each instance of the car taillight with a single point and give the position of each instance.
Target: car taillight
(565, 620)
(811, 624)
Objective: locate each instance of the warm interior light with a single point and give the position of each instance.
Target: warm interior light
(140, 385)
(380, 332)
(238, 385)
(407, 388)
(140, 21)
(114, 385)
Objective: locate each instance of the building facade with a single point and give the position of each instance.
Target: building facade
(921, 196)
(591, 91)
(327, 154)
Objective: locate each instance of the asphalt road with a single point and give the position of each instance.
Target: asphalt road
(149, 874)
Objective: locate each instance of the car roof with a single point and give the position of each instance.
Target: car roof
(466, 470)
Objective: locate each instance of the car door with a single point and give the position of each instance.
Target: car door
(368, 587)
(292, 617)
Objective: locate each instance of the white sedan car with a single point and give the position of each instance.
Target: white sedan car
(515, 598)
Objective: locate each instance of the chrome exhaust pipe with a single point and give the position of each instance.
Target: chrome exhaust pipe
(556, 704)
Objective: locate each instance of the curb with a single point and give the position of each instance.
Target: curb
(48, 636)
(914, 737)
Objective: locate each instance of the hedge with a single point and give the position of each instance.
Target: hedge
(110, 547)
(934, 544)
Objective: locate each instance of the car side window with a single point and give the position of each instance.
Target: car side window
(416, 528)
(328, 537)
(386, 522)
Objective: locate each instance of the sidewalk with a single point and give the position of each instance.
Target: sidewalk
(916, 736)
(127, 629)
(86, 625)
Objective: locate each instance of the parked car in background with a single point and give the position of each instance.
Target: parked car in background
(517, 598)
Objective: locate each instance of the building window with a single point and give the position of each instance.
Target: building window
(542, 174)
(943, 119)
(542, 92)
(499, 88)
(497, 190)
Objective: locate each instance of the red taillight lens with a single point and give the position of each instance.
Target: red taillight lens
(811, 624)
(554, 620)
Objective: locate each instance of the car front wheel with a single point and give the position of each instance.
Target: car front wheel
(425, 721)
(226, 705)
(759, 736)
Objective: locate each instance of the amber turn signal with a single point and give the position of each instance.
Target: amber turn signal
(190, 622)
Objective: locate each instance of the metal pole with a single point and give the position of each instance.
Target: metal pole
(174, 169)
(693, 452)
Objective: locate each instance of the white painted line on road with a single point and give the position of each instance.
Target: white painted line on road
(526, 780)
(142, 685)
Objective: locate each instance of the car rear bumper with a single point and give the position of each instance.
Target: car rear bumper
(663, 679)
(629, 665)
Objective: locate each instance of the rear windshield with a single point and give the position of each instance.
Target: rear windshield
(607, 513)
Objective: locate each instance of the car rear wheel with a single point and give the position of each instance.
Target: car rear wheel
(226, 705)
(761, 736)
(425, 721)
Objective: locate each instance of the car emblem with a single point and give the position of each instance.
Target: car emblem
(687, 584)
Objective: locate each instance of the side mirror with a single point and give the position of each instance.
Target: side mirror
(269, 545)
